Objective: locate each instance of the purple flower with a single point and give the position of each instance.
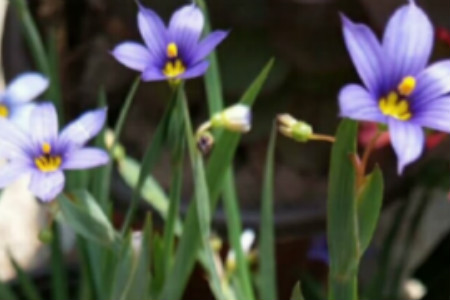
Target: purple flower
(15, 100)
(171, 53)
(400, 90)
(44, 153)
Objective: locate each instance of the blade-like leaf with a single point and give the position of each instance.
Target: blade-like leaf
(297, 292)
(342, 215)
(59, 275)
(267, 276)
(369, 206)
(151, 156)
(85, 217)
(218, 164)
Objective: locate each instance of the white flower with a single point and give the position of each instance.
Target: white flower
(235, 118)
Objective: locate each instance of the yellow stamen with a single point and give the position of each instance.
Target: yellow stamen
(407, 86)
(48, 163)
(172, 50)
(173, 69)
(4, 111)
(394, 107)
(46, 148)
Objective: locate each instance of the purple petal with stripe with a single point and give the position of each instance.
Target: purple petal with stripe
(10, 172)
(195, 71)
(26, 87)
(434, 114)
(366, 54)
(133, 55)
(85, 158)
(47, 186)
(44, 123)
(185, 28)
(15, 140)
(207, 45)
(432, 83)
(154, 32)
(153, 74)
(408, 41)
(408, 142)
(80, 131)
(357, 103)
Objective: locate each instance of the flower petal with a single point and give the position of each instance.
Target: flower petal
(195, 71)
(408, 141)
(366, 54)
(47, 186)
(153, 74)
(432, 83)
(26, 87)
(85, 158)
(133, 55)
(153, 32)
(14, 141)
(185, 28)
(44, 123)
(11, 172)
(21, 114)
(78, 132)
(434, 114)
(208, 44)
(408, 41)
(357, 103)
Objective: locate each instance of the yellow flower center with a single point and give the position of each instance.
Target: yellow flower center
(172, 50)
(4, 111)
(48, 162)
(407, 86)
(174, 68)
(395, 107)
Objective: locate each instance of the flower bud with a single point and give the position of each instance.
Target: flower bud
(205, 142)
(235, 118)
(294, 129)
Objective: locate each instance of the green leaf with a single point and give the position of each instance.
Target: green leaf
(105, 187)
(370, 200)
(202, 202)
(297, 292)
(151, 156)
(226, 145)
(123, 271)
(54, 90)
(32, 36)
(268, 284)
(26, 284)
(213, 83)
(342, 215)
(139, 283)
(59, 275)
(85, 217)
(218, 164)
